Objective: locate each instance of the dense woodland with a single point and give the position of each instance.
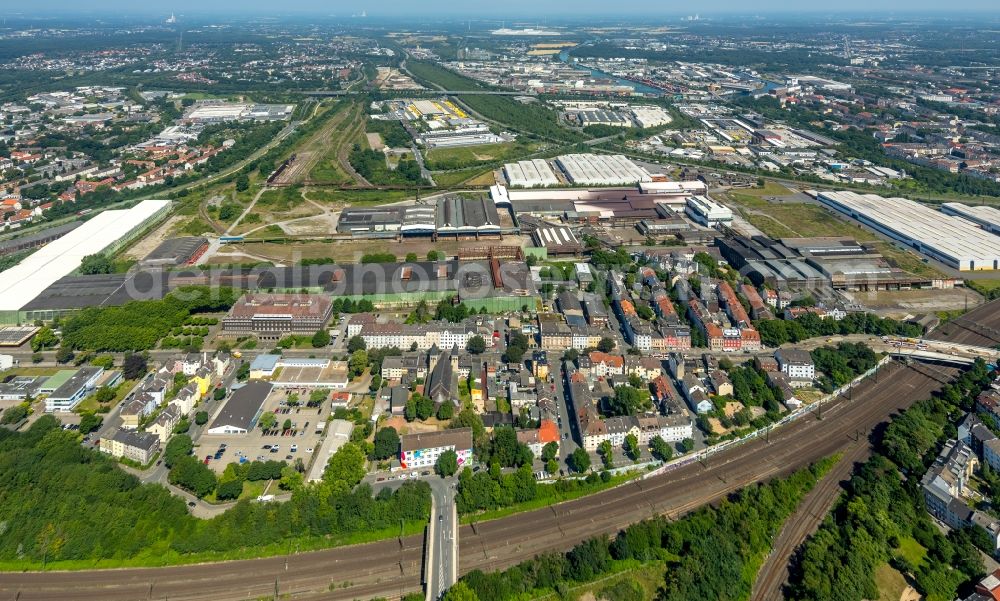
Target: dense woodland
(775, 332)
(62, 501)
(884, 506)
(710, 554)
(139, 325)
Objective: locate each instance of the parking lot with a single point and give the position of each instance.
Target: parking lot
(298, 442)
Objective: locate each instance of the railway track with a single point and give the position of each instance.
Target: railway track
(391, 568)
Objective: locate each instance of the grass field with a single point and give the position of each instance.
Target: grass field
(797, 219)
(470, 156)
(650, 576)
(912, 551)
(890, 583)
(357, 197)
(469, 177)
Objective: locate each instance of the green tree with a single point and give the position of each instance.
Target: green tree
(321, 339)
(90, 422)
(550, 451)
(606, 345)
(96, 264)
(242, 183)
(660, 449)
(65, 354)
(579, 460)
(607, 454)
(346, 468)
(178, 446)
(134, 367)
(460, 592)
(355, 344)
(219, 393)
(446, 411)
(357, 363)
(447, 464)
(267, 421)
(193, 475)
(687, 445)
(631, 446)
(476, 345)
(517, 345)
(12, 415)
(45, 338)
(105, 394)
(386, 443)
(201, 418)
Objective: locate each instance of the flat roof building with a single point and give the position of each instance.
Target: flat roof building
(105, 231)
(601, 170)
(338, 433)
(707, 212)
(534, 173)
(985, 217)
(73, 390)
(954, 241)
(278, 314)
(242, 410)
(423, 449)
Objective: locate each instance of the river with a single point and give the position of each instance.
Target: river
(638, 87)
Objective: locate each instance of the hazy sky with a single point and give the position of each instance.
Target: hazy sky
(510, 8)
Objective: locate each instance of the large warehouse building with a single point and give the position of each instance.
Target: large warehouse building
(987, 218)
(106, 232)
(535, 173)
(953, 241)
(601, 170)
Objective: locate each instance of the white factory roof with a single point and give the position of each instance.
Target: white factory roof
(529, 174)
(337, 435)
(952, 240)
(986, 217)
(25, 281)
(599, 169)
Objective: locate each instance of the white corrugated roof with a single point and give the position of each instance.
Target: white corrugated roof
(25, 281)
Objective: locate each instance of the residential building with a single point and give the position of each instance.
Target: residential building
(423, 449)
(163, 425)
(140, 447)
(797, 364)
(536, 439)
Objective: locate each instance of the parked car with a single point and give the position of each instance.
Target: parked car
(294, 448)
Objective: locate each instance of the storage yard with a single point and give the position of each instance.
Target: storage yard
(954, 241)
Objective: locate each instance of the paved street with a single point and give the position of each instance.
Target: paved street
(442, 547)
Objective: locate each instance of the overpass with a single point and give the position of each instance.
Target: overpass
(940, 349)
(933, 357)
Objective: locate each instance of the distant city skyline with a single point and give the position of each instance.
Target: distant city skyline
(512, 10)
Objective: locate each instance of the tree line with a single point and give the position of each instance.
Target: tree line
(67, 502)
(884, 505)
(712, 553)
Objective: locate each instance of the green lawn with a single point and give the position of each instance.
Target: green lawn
(912, 551)
(890, 583)
(357, 197)
(469, 156)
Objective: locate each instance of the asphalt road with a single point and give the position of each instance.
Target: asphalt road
(442, 558)
(394, 566)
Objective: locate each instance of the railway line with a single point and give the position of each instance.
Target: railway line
(393, 567)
